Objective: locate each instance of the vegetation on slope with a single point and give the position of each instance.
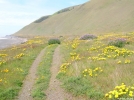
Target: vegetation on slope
(90, 68)
(95, 16)
(97, 70)
(66, 10)
(14, 66)
(41, 19)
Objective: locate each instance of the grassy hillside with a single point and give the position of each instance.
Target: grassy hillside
(14, 66)
(99, 68)
(41, 19)
(95, 16)
(95, 67)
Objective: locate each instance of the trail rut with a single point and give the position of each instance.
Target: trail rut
(25, 93)
(55, 92)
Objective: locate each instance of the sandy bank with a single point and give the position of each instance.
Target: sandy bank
(9, 41)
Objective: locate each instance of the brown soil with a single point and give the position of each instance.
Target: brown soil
(25, 93)
(55, 92)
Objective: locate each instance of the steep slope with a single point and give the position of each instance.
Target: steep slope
(41, 19)
(95, 16)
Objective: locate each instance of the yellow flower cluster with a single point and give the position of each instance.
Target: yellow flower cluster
(112, 52)
(3, 80)
(110, 48)
(92, 72)
(105, 52)
(97, 47)
(75, 56)
(39, 42)
(93, 49)
(3, 55)
(24, 49)
(30, 42)
(2, 62)
(63, 67)
(120, 91)
(127, 61)
(119, 62)
(34, 41)
(19, 56)
(5, 71)
(19, 69)
(118, 51)
(96, 58)
(75, 44)
(14, 48)
(111, 36)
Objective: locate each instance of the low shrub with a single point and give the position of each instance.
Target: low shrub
(54, 41)
(88, 37)
(120, 42)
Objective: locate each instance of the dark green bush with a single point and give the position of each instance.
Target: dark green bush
(120, 42)
(54, 41)
(88, 37)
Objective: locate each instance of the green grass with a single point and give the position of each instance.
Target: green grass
(113, 73)
(14, 70)
(43, 74)
(79, 86)
(78, 57)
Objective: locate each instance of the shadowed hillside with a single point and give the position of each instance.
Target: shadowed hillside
(95, 16)
(41, 19)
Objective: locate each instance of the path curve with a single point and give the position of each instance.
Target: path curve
(55, 92)
(25, 93)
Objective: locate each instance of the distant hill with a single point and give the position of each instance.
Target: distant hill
(95, 16)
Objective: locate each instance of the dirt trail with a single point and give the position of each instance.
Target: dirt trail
(25, 93)
(55, 92)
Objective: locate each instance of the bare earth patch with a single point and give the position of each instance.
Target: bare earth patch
(25, 93)
(55, 92)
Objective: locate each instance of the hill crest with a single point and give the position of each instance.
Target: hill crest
(95, 16)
